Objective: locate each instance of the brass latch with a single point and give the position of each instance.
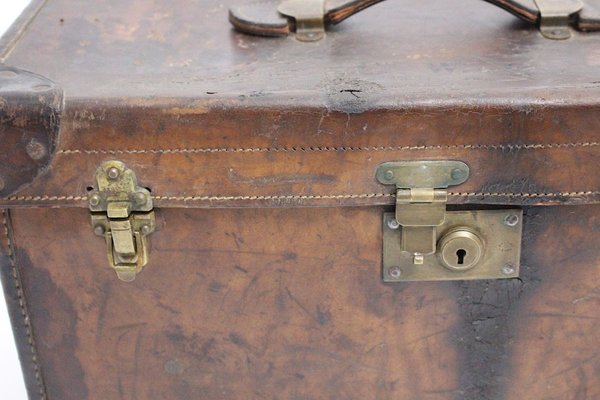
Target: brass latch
(421, 198)
(122, 214)
(424, 241)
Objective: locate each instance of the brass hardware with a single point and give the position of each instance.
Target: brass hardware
(492, 249)
(421, 199)
(122, 214)
(309, 16)
(555, 17)
(423, 241)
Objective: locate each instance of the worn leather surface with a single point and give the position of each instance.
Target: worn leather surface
(30, 114)
(192, 157)
(261, 17)
(173, 50)
(285, 299)
(212, 118)
(289, 304)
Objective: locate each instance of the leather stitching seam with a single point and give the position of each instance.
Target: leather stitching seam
(368, 196)
(312, 197)
(23, 305)
(312, 149)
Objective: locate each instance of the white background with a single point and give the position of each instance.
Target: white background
(11, 379)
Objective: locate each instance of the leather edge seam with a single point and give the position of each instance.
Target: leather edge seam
(23, 305)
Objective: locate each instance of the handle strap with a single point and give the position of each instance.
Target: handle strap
(309, 18)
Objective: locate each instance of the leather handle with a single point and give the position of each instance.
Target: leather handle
(309, 18)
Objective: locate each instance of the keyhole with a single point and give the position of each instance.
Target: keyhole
(461, 254)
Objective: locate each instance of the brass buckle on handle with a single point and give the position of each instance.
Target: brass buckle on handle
(555, 17)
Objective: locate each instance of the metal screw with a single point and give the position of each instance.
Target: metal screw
(511, 220)
(395, 272)
(94, 200)
(393, 224)
(35, 150)
(99, 230)
(458, 174)
(113, 173)
(140, 198)
(146, 229)
(508, 269)
(389, 175)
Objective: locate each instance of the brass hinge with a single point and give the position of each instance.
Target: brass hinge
(421, 198)
(122, 214)
(424, 241)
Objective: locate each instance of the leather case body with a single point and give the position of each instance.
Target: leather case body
(264, 272)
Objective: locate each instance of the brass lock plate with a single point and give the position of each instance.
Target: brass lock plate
(482, 244)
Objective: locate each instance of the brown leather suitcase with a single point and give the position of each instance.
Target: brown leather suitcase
(401, 206)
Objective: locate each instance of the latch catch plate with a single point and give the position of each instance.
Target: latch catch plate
(498, 234)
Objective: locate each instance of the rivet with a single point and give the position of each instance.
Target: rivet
(508, 269)
(99, 230)
(395, 272)
(140, 198)
(35, 150)
(458, 174)
(146, 230)
(393, 224)
(94, 200)
(113, 173)
(511, 220)
(389, 175)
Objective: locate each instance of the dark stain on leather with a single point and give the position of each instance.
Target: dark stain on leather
(484, 335)
(52, 312)
(488, 311)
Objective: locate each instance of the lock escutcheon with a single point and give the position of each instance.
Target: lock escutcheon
(460, 249)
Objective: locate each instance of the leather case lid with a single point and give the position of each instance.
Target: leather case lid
(208, 117)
